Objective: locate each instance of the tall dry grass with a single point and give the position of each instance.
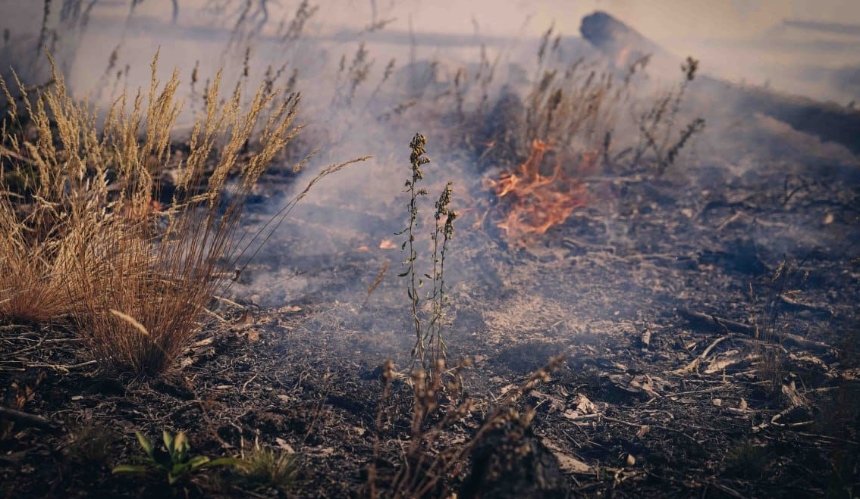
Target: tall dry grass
(84, 234)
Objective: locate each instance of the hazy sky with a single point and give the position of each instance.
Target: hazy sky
(730, 36)
(668, 19)
(659, 19)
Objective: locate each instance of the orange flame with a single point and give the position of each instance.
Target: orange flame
(537, 201)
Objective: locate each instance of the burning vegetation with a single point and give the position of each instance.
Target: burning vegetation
(662, 300)
(534, 201)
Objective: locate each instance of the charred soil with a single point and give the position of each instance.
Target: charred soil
(708, 325)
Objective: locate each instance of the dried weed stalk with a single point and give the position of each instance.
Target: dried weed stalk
(428, 332)
(657, 124)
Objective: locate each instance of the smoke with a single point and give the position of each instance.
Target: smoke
(783, 42)
(374, 73)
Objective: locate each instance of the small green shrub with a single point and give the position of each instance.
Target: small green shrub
(174, 460)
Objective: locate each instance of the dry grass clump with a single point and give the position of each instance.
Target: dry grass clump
(589, 112)
(29, 294)
(85, 235)
(576, 120)
(47, 186)
(270, 468)
(573, 111)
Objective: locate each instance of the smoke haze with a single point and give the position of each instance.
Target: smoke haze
(792, 45)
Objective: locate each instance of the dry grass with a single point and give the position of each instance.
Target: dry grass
(84, 234)
(573, 111)
(28, 293)
(576, 120)
(430, 458)
(269, 467)
(772, 320)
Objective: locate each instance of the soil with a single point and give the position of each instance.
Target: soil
(706, 320)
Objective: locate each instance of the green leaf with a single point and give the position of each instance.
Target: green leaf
(137, 469)
(168, 441)
(179, 469)
(197, 462)
(181, 447)
(146, 444)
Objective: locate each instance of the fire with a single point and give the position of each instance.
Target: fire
(387, 244)
(538, 201)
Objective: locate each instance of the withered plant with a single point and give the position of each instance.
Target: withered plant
(657, 125)
(771, 323)
(351, 77)
(428, 331)
(443, 229)
(85, 234)
(430, 461)
(417, 160)
(293, 30)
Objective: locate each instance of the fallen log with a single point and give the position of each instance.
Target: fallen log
(701, 321)
(827, 121)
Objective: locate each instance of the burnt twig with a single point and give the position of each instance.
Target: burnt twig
(27, 419)
(692, 366)
(708, 321)
(791, 303)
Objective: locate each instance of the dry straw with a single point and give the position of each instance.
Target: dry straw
(85, 236)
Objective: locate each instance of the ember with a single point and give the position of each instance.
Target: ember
(538, 201)
(387, 244)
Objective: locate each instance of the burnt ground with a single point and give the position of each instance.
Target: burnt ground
(707, 322)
